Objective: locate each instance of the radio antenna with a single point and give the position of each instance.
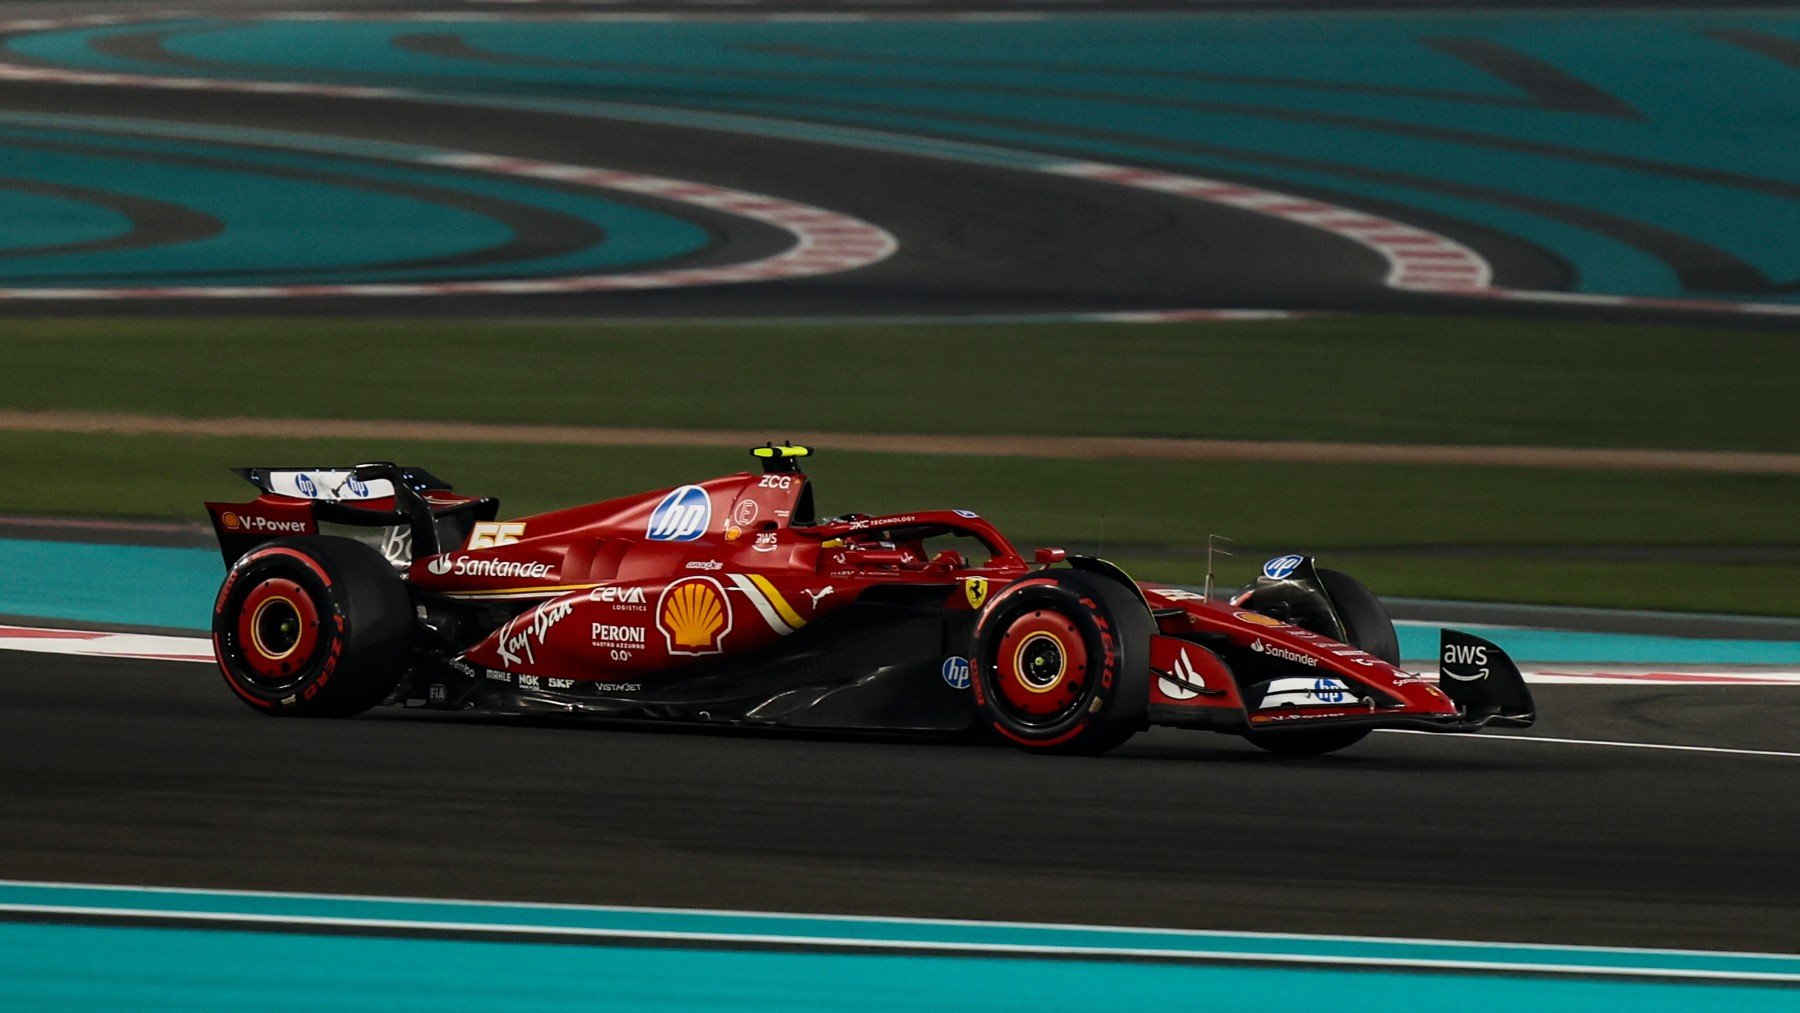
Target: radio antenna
(1211, 548)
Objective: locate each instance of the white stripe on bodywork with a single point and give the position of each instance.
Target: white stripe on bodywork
(758, 599)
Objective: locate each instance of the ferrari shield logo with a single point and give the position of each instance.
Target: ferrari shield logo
(975, 589)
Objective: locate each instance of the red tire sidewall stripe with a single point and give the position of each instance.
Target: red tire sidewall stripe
(334, 617)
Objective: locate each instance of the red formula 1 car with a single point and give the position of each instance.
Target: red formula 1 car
(729, 601)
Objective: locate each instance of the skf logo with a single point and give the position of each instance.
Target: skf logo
(682, 516)
(694, 616)
(975, 591)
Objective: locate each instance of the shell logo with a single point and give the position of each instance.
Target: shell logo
(694, 616)
(230, 520)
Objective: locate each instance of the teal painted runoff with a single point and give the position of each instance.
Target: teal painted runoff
(1696, 140)
(213, 965)
(1420, 640)
(303, 213)
(68, 967)
(132, 585)
(175, 588)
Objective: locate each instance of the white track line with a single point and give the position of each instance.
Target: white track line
(1490, 737)
(906, 945)
(101, 644)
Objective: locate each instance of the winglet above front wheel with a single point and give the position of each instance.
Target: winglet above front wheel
(1483, 681)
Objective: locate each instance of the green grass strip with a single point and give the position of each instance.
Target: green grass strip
(1410, 530)
(1338, 378)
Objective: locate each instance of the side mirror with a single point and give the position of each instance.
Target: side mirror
(1044, 557)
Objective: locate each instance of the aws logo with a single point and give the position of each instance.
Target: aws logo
(682, 516)
(694, 616)
(1465, 657)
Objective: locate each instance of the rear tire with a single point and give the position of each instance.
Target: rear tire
(312, 627)
(1366, 625)
(1061, 663)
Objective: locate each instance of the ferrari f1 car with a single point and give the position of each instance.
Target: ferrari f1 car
(730, 601)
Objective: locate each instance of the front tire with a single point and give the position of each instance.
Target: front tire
(1366, 625)
(1061, 663)
(312, 627)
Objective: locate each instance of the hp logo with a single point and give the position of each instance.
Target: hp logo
(956, 672)
(682, 516)
(1281, 567)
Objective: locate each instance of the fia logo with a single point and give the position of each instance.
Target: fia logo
(682, 516)
(956, 673)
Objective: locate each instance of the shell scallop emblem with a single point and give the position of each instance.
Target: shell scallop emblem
(694, 616)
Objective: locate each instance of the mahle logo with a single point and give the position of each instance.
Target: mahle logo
(682, 516)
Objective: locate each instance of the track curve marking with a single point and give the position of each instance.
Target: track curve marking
(824, 242)
(1419, 261)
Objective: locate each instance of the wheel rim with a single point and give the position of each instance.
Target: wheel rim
(277, 631)
(1041, 667)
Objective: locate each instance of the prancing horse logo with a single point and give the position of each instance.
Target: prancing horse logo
(975, 590)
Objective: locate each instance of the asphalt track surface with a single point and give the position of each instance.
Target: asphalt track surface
(143, 772)
(973, 239)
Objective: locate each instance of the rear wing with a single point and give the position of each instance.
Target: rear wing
(420, 511)
(336, 485)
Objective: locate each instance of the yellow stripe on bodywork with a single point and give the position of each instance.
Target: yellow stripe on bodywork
(498, 592)
(782, 608)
